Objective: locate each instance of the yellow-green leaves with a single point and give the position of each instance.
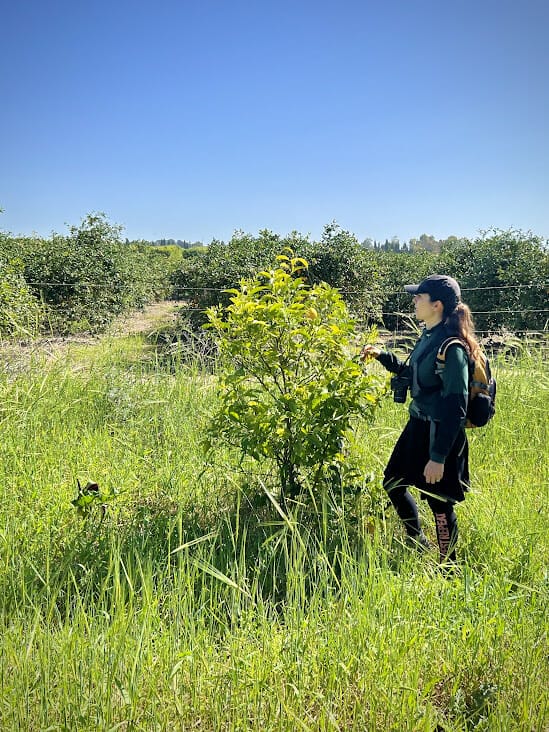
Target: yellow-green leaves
(290, 387)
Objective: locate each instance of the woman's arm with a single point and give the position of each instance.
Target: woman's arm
(452, 408)
(386, 359)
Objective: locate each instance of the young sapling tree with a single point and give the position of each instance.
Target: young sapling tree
(291, 382)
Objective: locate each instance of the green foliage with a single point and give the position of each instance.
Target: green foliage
(339, 260)
(205, 273)
(173, 253)
(493, 262)
(87, 278)
(291, 386)
(20, 312)
(396, 270)
(91, 497)
(83, 280)
(179, 613)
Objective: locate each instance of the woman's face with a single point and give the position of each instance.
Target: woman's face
(426, 310)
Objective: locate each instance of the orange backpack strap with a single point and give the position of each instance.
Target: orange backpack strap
(445, 345)
(443, 350)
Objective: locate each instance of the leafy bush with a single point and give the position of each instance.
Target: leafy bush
(397, 270)
(340, 261)
(487, 266)
(204, 274)
(20, 312)
(290, 387)
(88, 278)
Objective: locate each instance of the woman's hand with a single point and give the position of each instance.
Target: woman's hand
(369, 351)
(433, 472)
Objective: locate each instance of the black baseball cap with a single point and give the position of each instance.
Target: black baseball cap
(438, 287)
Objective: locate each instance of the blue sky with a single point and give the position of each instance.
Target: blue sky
(194, 119)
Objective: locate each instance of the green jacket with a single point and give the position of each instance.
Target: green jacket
(438, 395)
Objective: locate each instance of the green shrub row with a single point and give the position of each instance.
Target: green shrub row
(504, 275)
(83, 280)
(78, 282)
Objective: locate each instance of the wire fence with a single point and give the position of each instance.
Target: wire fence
(343, 291)
(180, 289)
(401, 314)
(404, 318)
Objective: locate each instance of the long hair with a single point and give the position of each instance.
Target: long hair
(460, 323)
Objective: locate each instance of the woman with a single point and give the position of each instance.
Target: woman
(432, 451)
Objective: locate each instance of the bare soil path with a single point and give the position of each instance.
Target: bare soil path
(14, 355)
(146, 320)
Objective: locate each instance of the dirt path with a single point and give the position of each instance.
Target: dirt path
(14, 355)
(143, 321)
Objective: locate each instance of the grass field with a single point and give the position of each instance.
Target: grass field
(190, 605)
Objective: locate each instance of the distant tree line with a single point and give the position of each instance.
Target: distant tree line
(172, 242)
(426, 241)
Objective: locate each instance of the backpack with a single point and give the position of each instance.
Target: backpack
(481, 405)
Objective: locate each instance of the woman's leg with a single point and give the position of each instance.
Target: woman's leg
(446, 527)
(405, 468)
(405, 506)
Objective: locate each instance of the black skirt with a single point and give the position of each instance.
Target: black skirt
(411, 454)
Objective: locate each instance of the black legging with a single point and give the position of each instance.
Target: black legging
(443, 512)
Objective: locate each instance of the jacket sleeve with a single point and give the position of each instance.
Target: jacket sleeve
(390, 362)
(452, 408)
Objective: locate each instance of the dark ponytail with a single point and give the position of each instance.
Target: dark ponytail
(460, 323)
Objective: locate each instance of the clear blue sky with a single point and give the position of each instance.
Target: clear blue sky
(193, 119)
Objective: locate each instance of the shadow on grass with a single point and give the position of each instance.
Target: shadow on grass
(216, 553)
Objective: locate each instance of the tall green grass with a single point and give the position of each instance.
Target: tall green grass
(192, 604)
